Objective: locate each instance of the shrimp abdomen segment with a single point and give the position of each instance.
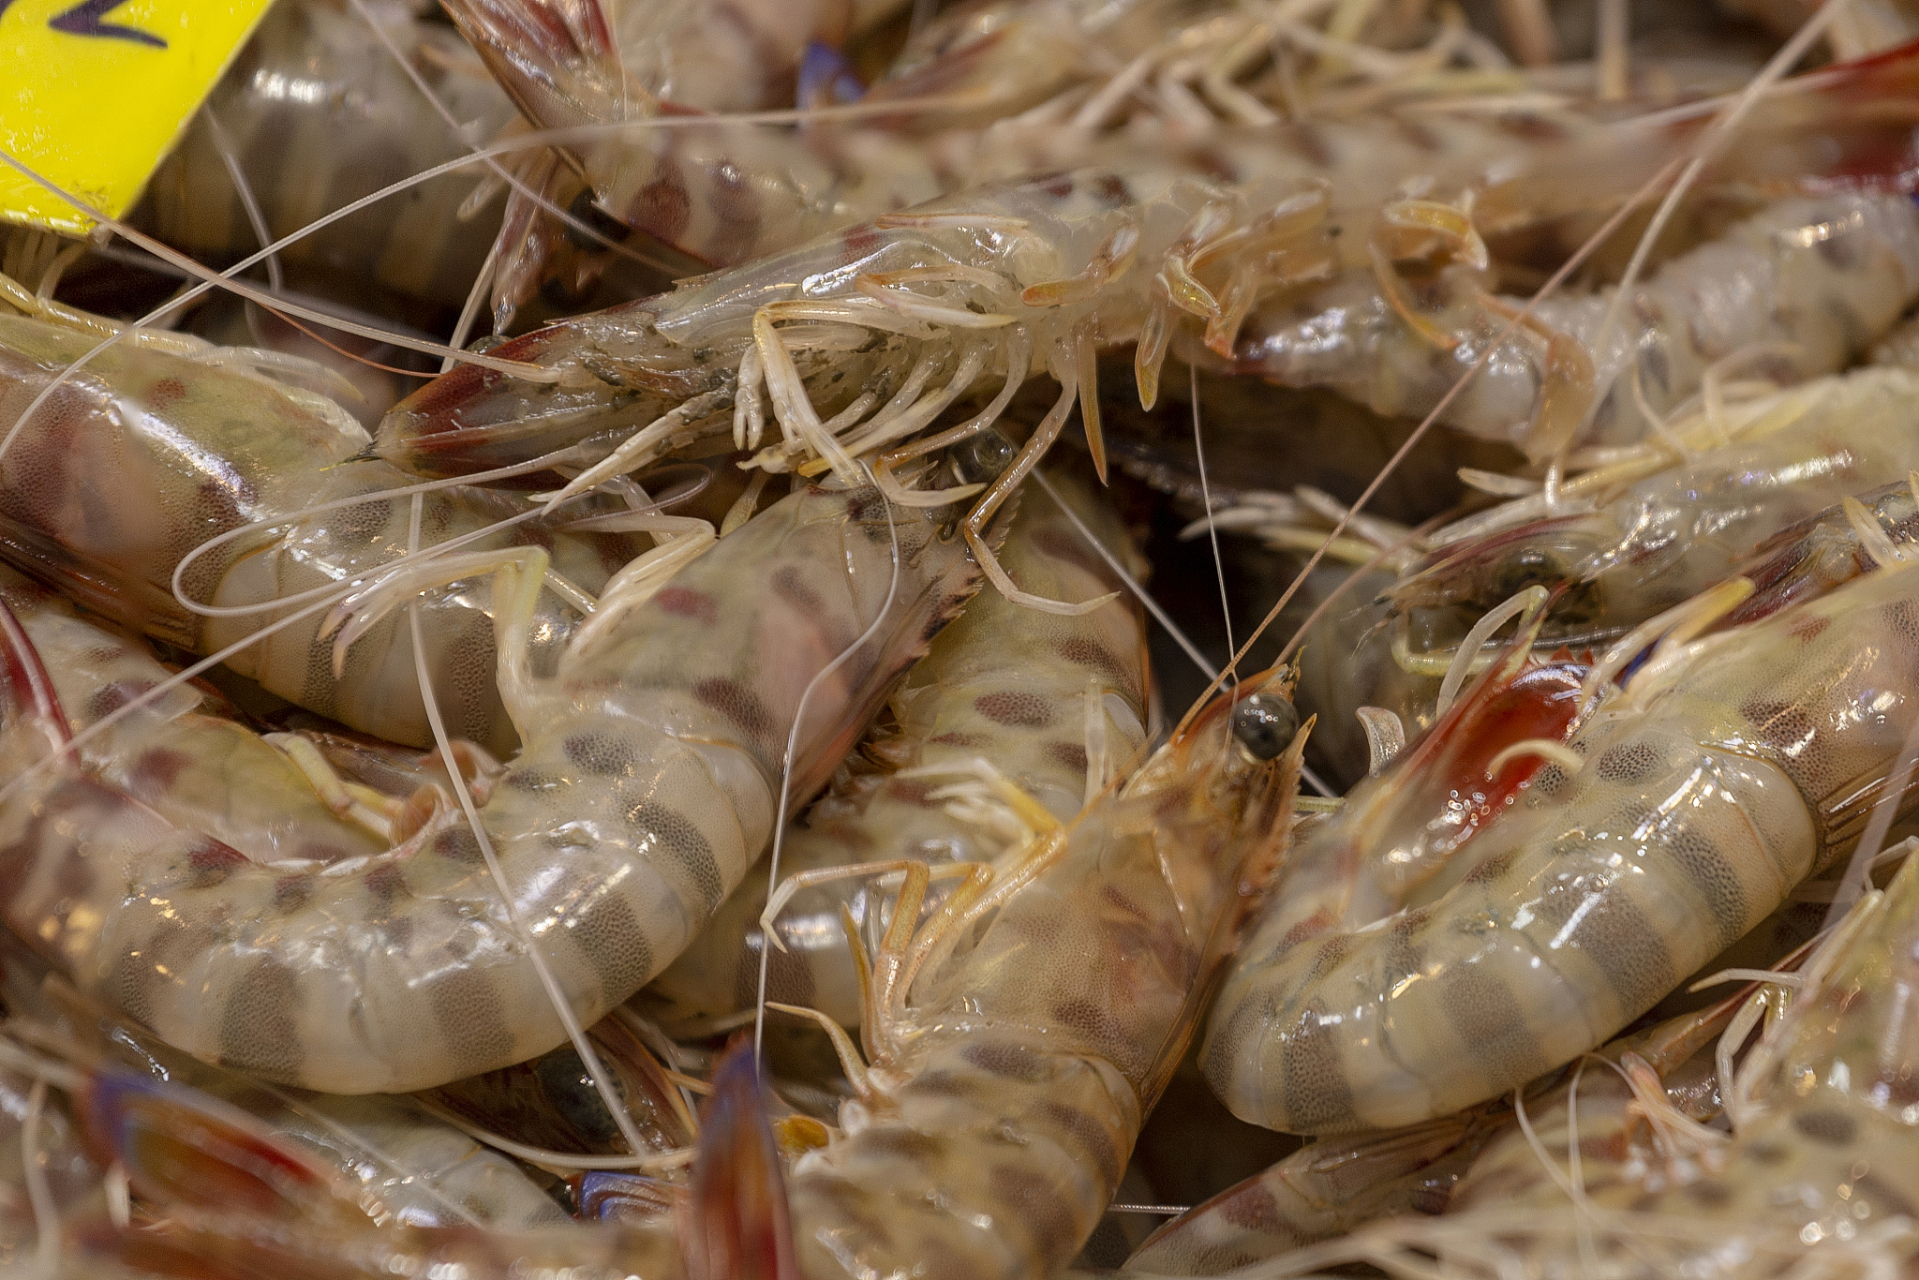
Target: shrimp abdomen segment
(1036, 1140)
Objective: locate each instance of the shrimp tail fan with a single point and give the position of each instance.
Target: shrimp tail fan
(32, 722)
(557, 59)
(735, 1224)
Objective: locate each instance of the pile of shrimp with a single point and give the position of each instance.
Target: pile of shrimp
(852, 640)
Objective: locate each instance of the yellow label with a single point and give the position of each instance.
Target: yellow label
(94, 92)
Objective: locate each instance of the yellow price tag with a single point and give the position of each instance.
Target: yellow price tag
(96, 91)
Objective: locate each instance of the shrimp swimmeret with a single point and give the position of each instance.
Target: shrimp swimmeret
(648, 783)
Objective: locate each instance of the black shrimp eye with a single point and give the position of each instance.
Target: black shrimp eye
(983, 456)
(1264, 725)
(567, 1086)
(1532, 567)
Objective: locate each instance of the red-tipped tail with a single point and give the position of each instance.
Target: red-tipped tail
(736, 1225)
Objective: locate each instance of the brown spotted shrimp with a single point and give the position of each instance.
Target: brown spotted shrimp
(855, 343)
(1053, 706)
(1010, 1075)
(1722, 490)
(1813, 1180)
(1338, 1186)
(649, 778)
(1679, 813)
(110, 489)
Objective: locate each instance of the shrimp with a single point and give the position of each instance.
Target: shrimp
(725, 193)
(1322, 1191)
(419, 1169)
(878, 329)
(316, 82)
(145, 454)
(1010, 1078)
(1639, 534)
(1679, 814)
(700, 192)
(1054, 705)
(1636, 1109)
(1334, 1187)
(1814, 1179)
(648, 781)
(204, 771)
(1776, 281)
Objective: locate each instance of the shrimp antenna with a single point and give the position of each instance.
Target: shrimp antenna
(1212, 526)
(792, 748)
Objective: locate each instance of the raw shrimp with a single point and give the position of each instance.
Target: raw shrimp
(1680, 814)
(145, 454)
(1812, 280)
(1054, 705)
(1639, 1103)
(1636, 535)
(418, 1168)
(1011, 1080)
(1323, 1190)
(315, 82)
(889, 323)
(725, 193)
(203, 771)
(648, 781)
(1814, 1181)
(1007, 1088)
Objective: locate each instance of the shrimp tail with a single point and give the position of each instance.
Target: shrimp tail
(31, 701)
(736, 1223)
(183, 1149)
(557, 59)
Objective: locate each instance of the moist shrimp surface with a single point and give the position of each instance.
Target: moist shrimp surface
(143, 455)
(1053, 705)
(648, 782)
(1714, 784)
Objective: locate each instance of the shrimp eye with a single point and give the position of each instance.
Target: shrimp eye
(983, 456)
(1532, 567)
(1264, 725)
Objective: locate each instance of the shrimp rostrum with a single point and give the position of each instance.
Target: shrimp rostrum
(648, 782)
(1679, 814)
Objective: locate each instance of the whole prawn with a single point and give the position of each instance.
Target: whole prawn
(1675, 819)
(144, 454)
(860, 340)
(1812, 1179)
(1010, 1078)
(1635, 536)
(647, 783)
(1054, 705)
